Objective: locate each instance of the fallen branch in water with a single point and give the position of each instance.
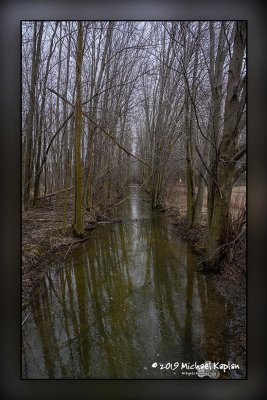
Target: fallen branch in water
(68, 251)
(95, 226)
(25, 319)
(76, 241)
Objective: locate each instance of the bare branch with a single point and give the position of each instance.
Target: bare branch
(129, 153)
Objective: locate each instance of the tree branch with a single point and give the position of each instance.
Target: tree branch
(49, 145)
(240, 153)
(239, 172)
(201, 158)
(102, 130)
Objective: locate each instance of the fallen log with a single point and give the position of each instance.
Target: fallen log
(54, 193)
(40, 220)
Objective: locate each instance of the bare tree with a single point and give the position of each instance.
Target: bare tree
(229, 151)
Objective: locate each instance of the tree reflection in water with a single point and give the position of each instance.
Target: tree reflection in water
(125, 299)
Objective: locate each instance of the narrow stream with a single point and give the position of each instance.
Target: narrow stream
(128, 298)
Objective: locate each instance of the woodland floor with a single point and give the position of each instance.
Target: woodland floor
(231, 281)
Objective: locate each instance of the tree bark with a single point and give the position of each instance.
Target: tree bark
(77, 218)
(41, 126)
(228, 148)
(37, 38)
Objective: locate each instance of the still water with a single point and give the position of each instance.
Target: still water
(128, 298)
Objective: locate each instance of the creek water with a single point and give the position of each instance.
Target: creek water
(127, 298)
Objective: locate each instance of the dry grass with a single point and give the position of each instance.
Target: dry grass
(175, 198)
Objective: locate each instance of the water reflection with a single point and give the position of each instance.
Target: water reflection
(127, 298)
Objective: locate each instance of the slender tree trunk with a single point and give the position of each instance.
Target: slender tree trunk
(66, 147)
(190, 193)
(157, 183)
(41, 126)
(89, 193)
(66, 194)
(30, 117)
(199, 201)
(78, 222)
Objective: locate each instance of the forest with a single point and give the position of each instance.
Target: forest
(120, 112)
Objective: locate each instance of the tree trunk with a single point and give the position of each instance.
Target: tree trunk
(226, 166)
(30, 117)
(41, 126)
(66, 194)
(217, 59)
(77, 222)
(156, 191)
(199, 201)
(89, 192)
(219, 222)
